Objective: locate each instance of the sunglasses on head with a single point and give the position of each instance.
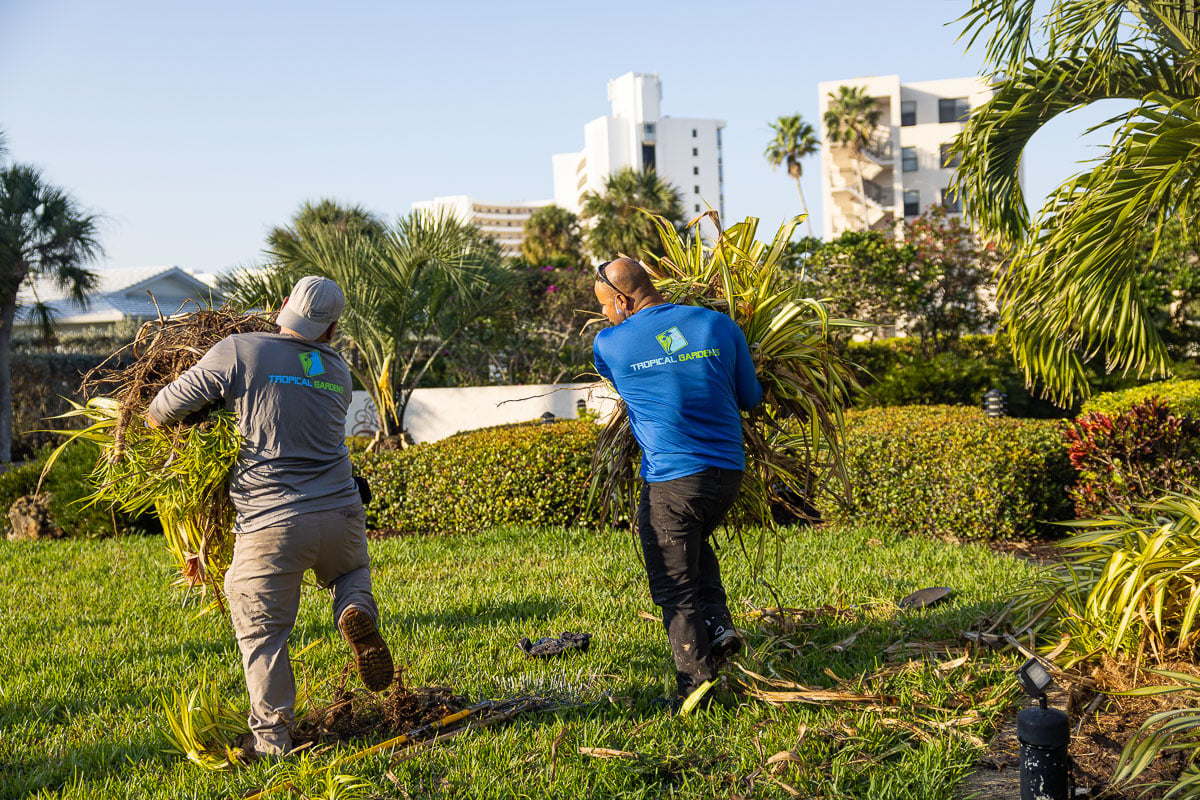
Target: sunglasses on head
(602, 277)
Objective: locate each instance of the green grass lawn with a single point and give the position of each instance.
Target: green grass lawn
(93, 633)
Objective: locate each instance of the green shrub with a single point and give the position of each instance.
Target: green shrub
(1182, 397)
(18, 482)
(951, 471)
(68, 484)
(896, 372)
(530, 475)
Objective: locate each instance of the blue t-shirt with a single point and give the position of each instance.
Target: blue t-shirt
(684, 372)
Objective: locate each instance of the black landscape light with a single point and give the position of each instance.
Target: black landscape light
(1045, 734)
(993, 403)
(580, 406)
(548, 417)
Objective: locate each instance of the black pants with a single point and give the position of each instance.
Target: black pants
(675, 520)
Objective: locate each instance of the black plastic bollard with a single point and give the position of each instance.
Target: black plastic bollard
(1045, 734)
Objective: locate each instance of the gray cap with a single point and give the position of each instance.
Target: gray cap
(314, 304)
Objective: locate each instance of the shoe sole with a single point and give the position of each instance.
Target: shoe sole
(371, 654)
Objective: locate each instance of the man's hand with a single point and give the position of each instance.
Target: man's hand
(151, 422)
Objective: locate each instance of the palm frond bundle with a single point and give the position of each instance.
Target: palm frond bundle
(179, 471)
(793, 440)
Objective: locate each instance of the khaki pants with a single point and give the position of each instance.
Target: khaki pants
(263, 590)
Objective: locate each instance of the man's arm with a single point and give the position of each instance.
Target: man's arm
(749, 390)
(210, 379)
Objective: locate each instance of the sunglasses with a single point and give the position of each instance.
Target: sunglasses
(602, 277)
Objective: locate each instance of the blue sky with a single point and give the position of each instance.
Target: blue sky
(195, 127)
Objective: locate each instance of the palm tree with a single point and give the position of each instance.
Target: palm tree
(552, 234)
(850, 120)
(411, 289)
(43, 234)
(1071, 292)
(794, 140)
(617, 224)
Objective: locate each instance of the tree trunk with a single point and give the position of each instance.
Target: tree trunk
(7, 315)
(804, 204)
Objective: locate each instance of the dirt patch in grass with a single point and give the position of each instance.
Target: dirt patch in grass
(358, 714)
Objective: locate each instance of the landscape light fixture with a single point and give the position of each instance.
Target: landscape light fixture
(1045, 734)
(1034, 679)
(993, 403)
(548, 417)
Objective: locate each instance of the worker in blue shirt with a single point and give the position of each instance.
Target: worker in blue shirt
(685, 374)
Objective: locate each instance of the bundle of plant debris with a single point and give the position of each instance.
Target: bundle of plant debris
(793, 440)
(180, 470)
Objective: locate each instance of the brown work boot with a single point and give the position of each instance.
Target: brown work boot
(371, 654)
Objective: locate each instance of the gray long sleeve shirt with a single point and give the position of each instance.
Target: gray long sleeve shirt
(290, 396)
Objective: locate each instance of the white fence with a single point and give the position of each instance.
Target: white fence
(437, 413)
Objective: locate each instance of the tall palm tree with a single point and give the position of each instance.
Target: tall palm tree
(850, 120)
(552, 233)
(1071, 292)
(43, 234)
(794, 140)
(617, 224)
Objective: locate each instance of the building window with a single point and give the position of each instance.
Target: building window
(951, 201)
(695, 170)
(695, 133)
(908, 159)
(953, 109)
(947, 159)
(695, 151)
(697, 190)
(697, 206)
(912, 203)
(908, 112)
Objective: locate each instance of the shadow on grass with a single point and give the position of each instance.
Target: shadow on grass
(93, 763)
(484, 613)
(806, 653)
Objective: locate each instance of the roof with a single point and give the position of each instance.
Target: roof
(121, 294)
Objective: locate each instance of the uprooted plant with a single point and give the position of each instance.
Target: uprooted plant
(179, 471)
(793, 440)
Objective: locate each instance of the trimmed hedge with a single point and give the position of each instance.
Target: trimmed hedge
(40, 382)
(530, 475)
(1182, 397)
(952, 471)
(934, 470)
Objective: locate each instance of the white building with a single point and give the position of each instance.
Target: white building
(503, 222)
(120, 295)
(684, 151)
(906, 167)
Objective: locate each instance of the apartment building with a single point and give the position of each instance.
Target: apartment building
(906, 167)
(685, 151)
(503, 222)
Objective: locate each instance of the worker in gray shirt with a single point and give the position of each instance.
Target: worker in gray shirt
(296, 502)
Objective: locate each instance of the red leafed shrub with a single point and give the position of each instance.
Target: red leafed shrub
(1131, 457)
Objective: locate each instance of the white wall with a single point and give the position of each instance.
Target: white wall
(437, 413)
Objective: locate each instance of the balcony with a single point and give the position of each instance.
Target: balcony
(879, 147)
(882, 196)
